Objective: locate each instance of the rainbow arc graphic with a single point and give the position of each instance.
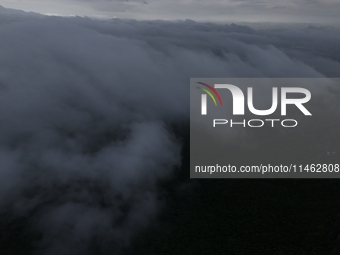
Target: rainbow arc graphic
(209, 90)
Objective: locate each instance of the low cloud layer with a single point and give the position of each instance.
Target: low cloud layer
(86, 109)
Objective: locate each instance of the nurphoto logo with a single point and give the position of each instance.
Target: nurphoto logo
(238, 104)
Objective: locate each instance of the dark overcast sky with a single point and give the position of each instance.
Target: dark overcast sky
(311, 11)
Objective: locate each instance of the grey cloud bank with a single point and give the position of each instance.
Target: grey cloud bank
(87, 106)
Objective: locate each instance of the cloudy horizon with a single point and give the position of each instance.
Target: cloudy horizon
(287, 11)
